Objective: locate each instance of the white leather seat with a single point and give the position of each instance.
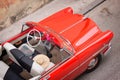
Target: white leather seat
(3, 69)
(44, 61)
(26, 62)
(1, 79)
(19, 57)
(26, 49)
(8, 47)
(7, 74)
(41, 59)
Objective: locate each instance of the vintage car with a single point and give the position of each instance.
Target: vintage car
(60, 47)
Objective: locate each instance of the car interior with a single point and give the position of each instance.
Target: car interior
(30, 57)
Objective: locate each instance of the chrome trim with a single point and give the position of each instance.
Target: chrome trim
(108, 51)
(49, 30)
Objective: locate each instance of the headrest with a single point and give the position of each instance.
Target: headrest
(42, 60)
(27, 50)
(8, 46)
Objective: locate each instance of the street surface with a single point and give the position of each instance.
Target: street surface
(106, 15)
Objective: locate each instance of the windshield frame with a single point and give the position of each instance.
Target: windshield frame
(65, 43)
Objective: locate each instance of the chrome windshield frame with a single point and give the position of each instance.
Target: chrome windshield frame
(66, 43)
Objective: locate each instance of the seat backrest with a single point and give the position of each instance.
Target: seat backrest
(28, 51)
(8, 47)
(1, 79)
(3, 69)
(6, 73)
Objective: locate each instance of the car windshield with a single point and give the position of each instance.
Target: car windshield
(64, 43)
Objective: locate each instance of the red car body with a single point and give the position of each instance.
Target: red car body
(85, 41)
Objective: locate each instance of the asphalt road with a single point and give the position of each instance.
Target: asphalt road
(107, 16)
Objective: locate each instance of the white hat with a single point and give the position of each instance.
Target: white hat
(42, 60)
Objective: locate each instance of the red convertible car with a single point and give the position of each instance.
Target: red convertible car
(60, 47)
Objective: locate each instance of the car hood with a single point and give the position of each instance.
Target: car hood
(73, 27)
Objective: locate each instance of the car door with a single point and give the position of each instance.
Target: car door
(80, 67)
(63, 70)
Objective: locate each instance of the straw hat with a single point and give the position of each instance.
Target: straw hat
(42, 60)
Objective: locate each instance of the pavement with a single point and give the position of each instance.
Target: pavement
(106, 15)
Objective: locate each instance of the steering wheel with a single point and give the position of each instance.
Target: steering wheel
(34, 38)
